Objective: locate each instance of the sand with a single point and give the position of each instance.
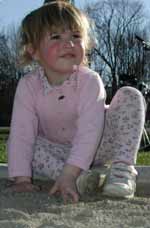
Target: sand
(38, 210)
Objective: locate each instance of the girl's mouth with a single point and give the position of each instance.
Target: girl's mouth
(68, 55)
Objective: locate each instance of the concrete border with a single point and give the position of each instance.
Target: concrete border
(3, 170)
(143, 178)
(143, 173)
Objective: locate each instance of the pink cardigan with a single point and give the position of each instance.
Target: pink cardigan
(72, 113)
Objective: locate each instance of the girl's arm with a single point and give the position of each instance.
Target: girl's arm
(90, 122)
(89, 131)
(23, 131)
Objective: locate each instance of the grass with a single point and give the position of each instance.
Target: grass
(3, 156)
(143, 157)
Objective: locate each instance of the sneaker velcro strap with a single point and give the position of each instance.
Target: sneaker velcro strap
(123, 167)
(121, 174)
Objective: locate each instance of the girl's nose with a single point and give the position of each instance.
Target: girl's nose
(68, 43)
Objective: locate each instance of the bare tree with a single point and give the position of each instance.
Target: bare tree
(116, 23)
(8, 79)
(47, 1)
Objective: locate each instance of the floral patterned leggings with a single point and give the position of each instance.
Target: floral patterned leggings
(124, 123)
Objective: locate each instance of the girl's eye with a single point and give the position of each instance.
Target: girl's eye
(77, 36)
(55, 36)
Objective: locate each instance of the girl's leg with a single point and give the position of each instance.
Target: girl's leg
(124, 123)
(49, 157)
(121, 139)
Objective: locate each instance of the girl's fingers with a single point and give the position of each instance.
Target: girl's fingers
(69, 193)
(75, 196)
(25, 187)
(65, 197)
(54, 189)
(66, 192)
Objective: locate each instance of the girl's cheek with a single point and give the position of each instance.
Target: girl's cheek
(49, 51)
(52, 49)
(54, 46)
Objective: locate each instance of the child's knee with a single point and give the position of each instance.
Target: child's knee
(130, 91)
(132, 94)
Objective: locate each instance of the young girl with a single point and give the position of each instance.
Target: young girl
(59, 109)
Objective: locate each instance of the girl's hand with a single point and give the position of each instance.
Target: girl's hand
(23, 184)
(66, 184)
(24, 187)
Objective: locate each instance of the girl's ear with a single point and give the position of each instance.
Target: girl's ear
(30, 49)
(32, 52)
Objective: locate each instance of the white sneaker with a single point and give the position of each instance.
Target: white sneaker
(121, 181)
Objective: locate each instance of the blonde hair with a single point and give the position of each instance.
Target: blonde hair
(54, 16)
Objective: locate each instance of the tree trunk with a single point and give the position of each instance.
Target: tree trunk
(114, 83)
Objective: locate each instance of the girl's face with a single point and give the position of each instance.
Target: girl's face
(59, 52)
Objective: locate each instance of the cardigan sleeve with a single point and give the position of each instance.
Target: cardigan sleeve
(23, 130)
(90, 123)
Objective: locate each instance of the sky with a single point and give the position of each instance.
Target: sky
(12, 11)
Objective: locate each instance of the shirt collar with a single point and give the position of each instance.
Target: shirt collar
(47, 87)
